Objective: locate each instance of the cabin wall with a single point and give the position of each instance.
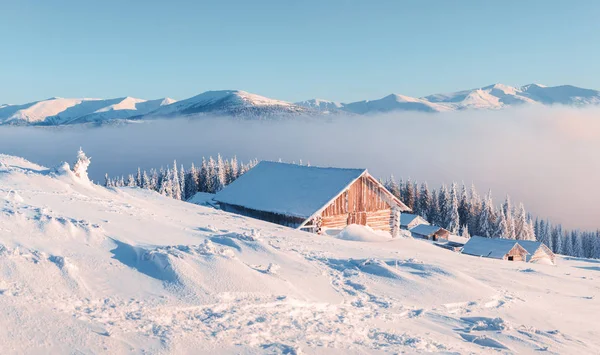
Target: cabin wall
(293, 222)
(364, 202)
(517, 254)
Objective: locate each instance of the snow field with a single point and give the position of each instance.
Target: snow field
(94, 270)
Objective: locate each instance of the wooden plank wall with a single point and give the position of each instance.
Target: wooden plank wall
(363, 203)
(517, 253)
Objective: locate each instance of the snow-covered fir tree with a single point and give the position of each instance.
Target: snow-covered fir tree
(81, 165)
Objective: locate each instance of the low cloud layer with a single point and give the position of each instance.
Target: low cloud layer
(549, 158)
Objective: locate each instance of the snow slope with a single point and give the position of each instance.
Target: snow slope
(58, 110)
(85, 269)
(229, 103)
(493, 97)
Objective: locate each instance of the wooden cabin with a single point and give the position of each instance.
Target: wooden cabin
(495, 248)
(409, 221)
(427, 231)
(538, 252)
(312, 198)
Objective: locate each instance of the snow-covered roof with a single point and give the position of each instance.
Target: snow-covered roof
(495, 248)
(425, 229)
(288, 189)
(530, 245)
(408, 218)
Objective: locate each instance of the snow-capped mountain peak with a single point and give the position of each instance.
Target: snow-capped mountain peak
(57, 110)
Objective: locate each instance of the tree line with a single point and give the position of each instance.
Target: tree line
(181, 184)
(465, 212)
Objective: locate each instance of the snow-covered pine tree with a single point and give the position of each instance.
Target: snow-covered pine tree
(453, 216)
(520, 223)
(138, 178)
(131, 181)
(182, 183)
(434, 209)
(465, 231)
(145, 180)
(474, 211)
(502, 231)
(107, 181)
(576, 244)
(425, 201)
(166, 184)
(463, 206)
(211, 176)
(393, 187)
(153, 180)
(416, 194)
(444, 207)
(203, 176)
(235, 169)
(409, 196)
(227, 172)
(81, 165)
(487, 219)
(191, 183)
(567, 244)
(175, 184)
(507, 210)
(529, 232)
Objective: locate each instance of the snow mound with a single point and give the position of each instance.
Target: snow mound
(358, 233)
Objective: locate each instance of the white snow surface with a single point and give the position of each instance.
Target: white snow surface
(288, 189)
(58, 110)
(85, 269)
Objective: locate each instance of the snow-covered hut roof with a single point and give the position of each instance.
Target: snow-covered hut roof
(288, 189)
(425, 229)
(532, 246)
(495, 248)
(408, 218)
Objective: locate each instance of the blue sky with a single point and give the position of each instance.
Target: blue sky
(291, 50)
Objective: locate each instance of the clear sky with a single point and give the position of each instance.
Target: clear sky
(291, 50)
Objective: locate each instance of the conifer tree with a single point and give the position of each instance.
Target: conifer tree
(175, 184)
(131, 181)
(425, 202)
(463, 206)
(182, 183)
(452, 213)
(138, 178)
(509, 232)
(521, 223)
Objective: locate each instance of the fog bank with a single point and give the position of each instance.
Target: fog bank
(547, 157)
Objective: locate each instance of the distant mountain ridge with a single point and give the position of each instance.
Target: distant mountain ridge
(237, 103)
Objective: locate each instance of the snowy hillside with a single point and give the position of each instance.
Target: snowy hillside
(85, 269)
(321, 105)
(238, 103)
(496, 96)
(229, 103)
(58, 110)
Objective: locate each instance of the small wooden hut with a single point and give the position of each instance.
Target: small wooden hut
(409, 221)
(538, 252)
(427, 231)
(495, 248)
(312, 198)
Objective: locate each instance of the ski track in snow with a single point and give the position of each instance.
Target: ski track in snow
(145, 274)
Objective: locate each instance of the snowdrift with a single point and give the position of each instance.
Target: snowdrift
(96, 270)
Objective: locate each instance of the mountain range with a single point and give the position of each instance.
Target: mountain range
(61, 111)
